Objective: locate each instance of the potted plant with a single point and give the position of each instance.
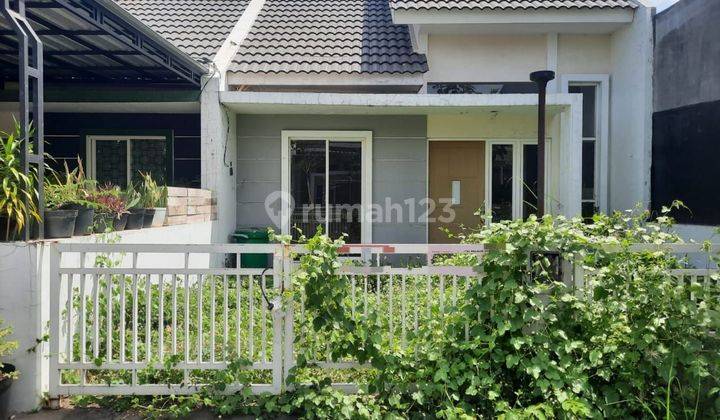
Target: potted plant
(111, 213)
(18, 193)
(133, 201)
(59, 217)
(7, 371)
(154, 200)
(71, 192)
(83, 202)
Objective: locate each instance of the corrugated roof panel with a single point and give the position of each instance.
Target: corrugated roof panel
(327, 36)
(198, 27)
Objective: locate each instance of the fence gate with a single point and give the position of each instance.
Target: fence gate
(141, 319)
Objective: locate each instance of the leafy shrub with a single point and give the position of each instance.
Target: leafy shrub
(16, 188)
(6, 346)
(152, 194)
(520, 343)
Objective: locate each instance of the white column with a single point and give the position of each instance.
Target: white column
(23, 308)
(552, 60)
(570, 160)
(218, 156)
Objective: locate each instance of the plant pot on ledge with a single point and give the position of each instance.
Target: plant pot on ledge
(155, 217)
(84, 220)
(60, 223)
(6, 377)
(135, 219)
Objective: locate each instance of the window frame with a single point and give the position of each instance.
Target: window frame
(602, 130)
(365, 138)
(91, 150)
(518, 156)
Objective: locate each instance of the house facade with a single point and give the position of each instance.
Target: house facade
(420, 110)
(387, 120)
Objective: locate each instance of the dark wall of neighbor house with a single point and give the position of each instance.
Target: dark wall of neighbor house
(686, 118)
(65, 138)
(399, 165)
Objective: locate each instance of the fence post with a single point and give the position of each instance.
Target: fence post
(285, 261)
(54, 288)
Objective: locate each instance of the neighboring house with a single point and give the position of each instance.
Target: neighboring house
(348, 107)
(686, 121)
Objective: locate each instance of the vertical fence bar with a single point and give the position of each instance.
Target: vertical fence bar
(83, 309)
(108, 317)
(96, 316)
(54, 283)
(225, 317)
(403, 310)
(161, 318)
(174, 314)
(199, 279)
(212, 318)
(238, 313)
(251, 319)
(263, 320)
(186, 318)
(69, 318)
(148, 318)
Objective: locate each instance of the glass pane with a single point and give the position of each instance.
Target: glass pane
(111, 162)
(149, 156)
(345, 190)
(530, 179)
(588, 209)
(588, 170)
(187, 147)
(187, 173)
(502, 191)
(307, 186)
(483, 88)
(588, 93)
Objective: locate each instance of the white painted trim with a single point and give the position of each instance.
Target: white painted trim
(602, 153)
(338, 103)
(224, 56)
(552, 60)
(418, 38)
(547, 16)
(91, 151)
(294, 79)
(364, 137)
(518, 172)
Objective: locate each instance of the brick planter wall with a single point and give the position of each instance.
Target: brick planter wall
(190, 205)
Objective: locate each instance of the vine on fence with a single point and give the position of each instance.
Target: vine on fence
(518, 344)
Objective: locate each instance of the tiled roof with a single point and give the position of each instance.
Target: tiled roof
(508, 4)
(197, 27)
(327, 36)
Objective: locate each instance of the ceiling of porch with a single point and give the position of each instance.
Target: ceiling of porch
(96, 41)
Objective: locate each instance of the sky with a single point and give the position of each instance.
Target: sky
(662, 4)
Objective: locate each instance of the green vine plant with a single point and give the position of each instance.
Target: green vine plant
(517, 343)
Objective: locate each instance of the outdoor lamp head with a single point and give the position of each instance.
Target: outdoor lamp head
(542, 77)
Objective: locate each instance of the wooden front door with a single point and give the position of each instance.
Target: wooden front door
(456, 171)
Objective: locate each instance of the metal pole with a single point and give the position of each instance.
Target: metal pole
(541, 79)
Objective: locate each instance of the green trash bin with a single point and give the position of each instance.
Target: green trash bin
(252, 236)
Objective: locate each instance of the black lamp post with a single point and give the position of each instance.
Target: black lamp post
(541, 79)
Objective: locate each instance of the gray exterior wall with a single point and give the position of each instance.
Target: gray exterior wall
(399, 165)
(687, 54)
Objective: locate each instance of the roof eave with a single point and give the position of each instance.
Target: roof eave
(515, 16)
(154, 36)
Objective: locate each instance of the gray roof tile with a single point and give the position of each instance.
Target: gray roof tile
(197, 27)
(327, 36)
(508, 4)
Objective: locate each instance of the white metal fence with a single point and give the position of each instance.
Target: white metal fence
(153, 319)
